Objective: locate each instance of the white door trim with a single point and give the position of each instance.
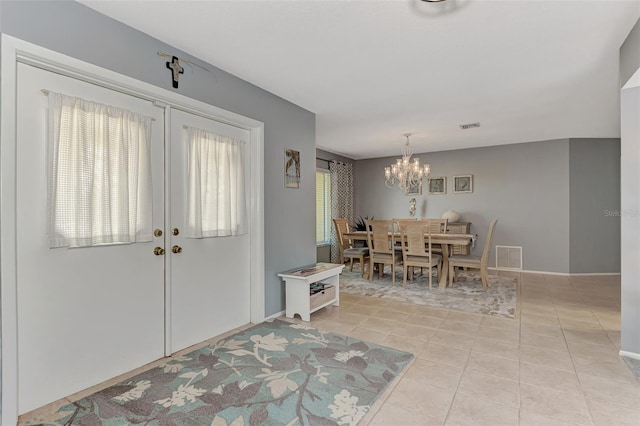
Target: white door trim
(15, 50)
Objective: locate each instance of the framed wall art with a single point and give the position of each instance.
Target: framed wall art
(463, 184)
(413, 189)
(438, 185)
(291, 168)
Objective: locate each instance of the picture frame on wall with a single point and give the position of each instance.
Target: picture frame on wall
(463, 184)
(413, 189)
(438, 185)
(291, 168)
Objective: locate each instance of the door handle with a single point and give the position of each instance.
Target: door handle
(176, 249)
(158, 251)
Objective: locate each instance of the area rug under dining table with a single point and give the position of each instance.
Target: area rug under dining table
(276, 373)
(465, 295)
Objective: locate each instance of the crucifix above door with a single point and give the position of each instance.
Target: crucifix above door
(176, 70)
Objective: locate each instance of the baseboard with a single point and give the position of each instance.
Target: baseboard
(274, 316)
(603, 274)
(630, 355)
(504, 269)
(563, 274)
(526, 271)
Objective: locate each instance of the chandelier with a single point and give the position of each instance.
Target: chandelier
(404, 173)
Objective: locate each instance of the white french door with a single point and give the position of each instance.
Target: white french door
(72, 318)
(210, 280)
(84, 314)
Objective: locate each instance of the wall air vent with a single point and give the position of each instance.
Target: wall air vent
(469, 126)
(508, 257)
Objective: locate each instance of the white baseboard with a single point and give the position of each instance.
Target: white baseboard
(604, 274)
(274, 316)
(504, 269)
(564, 274)
(630, 355)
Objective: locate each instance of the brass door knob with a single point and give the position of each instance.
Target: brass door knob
(157, 233)
(158, 251)
(175, 231)
(176, 249)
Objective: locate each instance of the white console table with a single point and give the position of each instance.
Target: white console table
(299, 281)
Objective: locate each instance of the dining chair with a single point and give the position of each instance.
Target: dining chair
(417, 250)
(474, 262)
(347, 248)
(396, 229)
(437, 226)
(381, 241)
(397, 223)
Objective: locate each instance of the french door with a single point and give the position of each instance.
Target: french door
(85, 315)
(210, 282)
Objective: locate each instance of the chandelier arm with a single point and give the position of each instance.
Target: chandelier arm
(403, 173)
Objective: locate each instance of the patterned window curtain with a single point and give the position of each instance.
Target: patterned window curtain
(341, 200)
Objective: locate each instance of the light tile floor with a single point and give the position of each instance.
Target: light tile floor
(556, 363)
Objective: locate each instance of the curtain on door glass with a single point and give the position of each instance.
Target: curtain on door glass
(99, 189)
(216, 198)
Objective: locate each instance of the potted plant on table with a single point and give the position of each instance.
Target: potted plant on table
(361, 225)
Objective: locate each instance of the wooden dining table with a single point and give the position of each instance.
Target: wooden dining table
(444, 240)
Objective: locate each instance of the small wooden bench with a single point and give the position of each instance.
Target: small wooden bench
(311, 288)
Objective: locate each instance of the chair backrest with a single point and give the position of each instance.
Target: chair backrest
(416, 238)
(378, 236)
(397, 223)
(487, 244)
(437, 226)
(342, 227)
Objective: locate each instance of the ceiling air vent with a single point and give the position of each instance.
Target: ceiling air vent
(469, 126)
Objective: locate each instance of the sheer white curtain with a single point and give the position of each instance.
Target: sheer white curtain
(99, 189)
(216, 197)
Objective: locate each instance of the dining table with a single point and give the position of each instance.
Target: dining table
(443, 240)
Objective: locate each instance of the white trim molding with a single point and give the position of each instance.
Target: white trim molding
(631, 355)
(564, 274)
(597, 274)
(8, 289)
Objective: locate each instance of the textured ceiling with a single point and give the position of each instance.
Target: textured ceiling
(527, 70)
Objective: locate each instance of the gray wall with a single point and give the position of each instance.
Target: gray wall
(323, 253)
(630, 178)
(80, 32)
(594, 193)
(630, 54)
(524, 186)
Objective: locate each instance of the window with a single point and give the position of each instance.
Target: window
(216, 195)
(99, 189)
(323, 207)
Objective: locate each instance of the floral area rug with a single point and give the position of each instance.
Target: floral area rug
(466, 294)
(275, 373)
